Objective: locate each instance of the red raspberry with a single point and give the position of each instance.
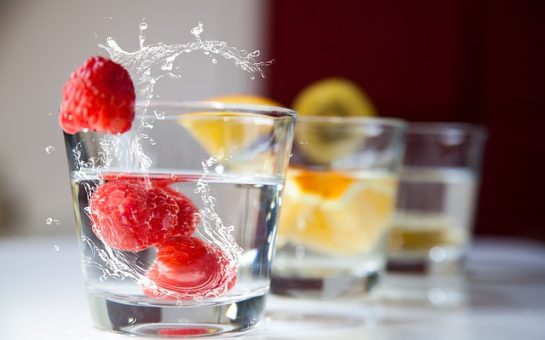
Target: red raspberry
(157, 181)
(188, 267)
(183, 331)
(99, 96)
(188, 217)
(134, 215)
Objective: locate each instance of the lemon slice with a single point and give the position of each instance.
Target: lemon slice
(228, 133)
(337, 213)
(421, 231)
(333, 97)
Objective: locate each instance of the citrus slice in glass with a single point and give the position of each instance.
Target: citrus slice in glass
(228, 133)
(337, 213)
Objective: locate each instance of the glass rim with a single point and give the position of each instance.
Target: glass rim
(391, 122)
(430, 127)
(214, 106)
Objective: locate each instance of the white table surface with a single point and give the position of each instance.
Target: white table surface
(42, 297)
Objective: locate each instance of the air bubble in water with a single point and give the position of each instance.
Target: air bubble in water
(49, 149)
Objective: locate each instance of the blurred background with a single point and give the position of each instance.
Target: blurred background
(466, 61)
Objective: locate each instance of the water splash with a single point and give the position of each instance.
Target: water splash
(140, 63)
(108, 151)
(147, 66)
(214, 230)
(117, 264)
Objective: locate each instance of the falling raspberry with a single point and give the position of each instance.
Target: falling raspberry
(99, 96)
(134, 215)
(188, 267)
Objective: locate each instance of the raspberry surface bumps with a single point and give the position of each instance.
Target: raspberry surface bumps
(99, 96)
(133, 215)
(188, 267)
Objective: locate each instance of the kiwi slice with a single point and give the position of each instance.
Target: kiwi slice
(325, 141)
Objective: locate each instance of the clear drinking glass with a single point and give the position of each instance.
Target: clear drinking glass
(435, 209)
(337, 206)
(213, 167)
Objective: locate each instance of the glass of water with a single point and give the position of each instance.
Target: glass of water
(177, 217)
(337, 206)
(435, 208)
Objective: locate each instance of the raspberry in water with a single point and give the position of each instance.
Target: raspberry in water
(134, 215)
(189, 268)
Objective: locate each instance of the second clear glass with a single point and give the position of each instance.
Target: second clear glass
(337, 206)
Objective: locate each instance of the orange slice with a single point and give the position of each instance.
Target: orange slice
(337, 213)
(228, 133)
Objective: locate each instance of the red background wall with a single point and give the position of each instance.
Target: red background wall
(472, 61)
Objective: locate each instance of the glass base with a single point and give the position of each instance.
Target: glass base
(179, 321)
(323, 287)
(420, 279)
(412, 289)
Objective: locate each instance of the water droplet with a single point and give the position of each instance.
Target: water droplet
(143, 26)
(49, 149)
(291, 155)
(197, 30)
(252, 77)
(50, 114)
(166, 67)
(206, 52)
(254, 54)
(214, 61)
(131, 321)
(50, 221)
(56, 247)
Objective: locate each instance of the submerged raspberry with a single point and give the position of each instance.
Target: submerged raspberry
(188, 217)
(190, 268)
(99, 96)
(155, 180)
(134, 215)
